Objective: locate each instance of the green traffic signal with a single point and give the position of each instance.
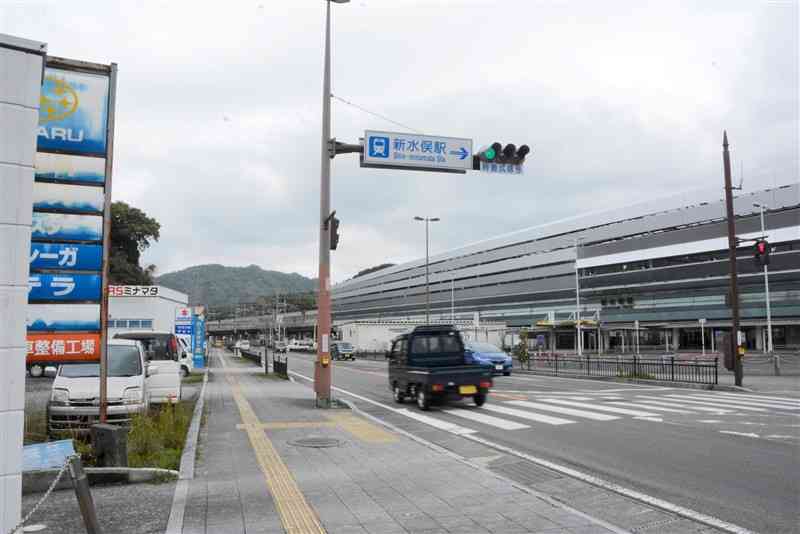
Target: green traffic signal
(489, 153)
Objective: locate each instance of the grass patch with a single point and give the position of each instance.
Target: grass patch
(156, 439)
(35, 427)
(193, 378)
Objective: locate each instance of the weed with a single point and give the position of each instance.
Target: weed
(193, 379)
(156, 439)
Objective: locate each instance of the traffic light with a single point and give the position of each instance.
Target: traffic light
(762, 253)
(496, 153)
(334, 228)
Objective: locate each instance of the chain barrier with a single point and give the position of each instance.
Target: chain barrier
(45, 496)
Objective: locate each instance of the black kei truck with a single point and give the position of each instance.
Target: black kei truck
(428, 365)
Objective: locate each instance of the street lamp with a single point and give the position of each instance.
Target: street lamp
(578, 337)
(427, 221)
(322, 373)
(766, 286)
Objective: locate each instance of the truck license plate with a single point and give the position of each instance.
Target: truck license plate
(498, 367)
(467, 390)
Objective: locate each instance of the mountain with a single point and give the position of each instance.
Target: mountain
(218, 285)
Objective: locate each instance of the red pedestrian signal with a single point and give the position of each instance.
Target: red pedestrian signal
(762, 252)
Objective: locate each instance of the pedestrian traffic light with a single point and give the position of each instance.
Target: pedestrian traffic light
(762, 253)
(496, 153)
(334, 228)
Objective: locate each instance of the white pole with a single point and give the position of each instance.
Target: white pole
(766, 291)
(703, 337)
(578, 340)
(452, 296)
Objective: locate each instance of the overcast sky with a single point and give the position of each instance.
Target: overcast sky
(218, 114)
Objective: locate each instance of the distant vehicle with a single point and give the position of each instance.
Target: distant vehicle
(281, 346)
(219, 343)
(133, 384)
(429, 364)
(295, 345)
(342, 350)
(163, 346)
(489, 356)
(243, 344)
(306, 345)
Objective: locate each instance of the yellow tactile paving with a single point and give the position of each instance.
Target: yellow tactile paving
(289, 425)
(361, 429)
(296, 514)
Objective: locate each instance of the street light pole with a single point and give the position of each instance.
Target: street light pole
(427, 221)
(578, 340)
(322, 373)
(770, 348)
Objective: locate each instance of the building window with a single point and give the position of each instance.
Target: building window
(147, 323)
(111, 323)
(134, 323)
(122, 323)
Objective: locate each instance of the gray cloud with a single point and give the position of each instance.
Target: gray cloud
(218, 113)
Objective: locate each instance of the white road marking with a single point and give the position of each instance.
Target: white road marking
(568, 471)
(562, 410)
(661, 401)
(686, 400)
(789, 400)
(653, 419)
(602, 408)
(710, 421)
(745, 434)
(778, 436)
(490, 420)
(436, 423)
(747, 402)
(541, 418)
(649, 407)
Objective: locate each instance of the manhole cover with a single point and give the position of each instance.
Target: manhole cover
(317, 443)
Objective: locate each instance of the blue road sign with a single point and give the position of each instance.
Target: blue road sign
(416, 151)
(48, 455)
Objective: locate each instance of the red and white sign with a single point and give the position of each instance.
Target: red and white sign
(63, 347)
(183, 315)
(133, 291)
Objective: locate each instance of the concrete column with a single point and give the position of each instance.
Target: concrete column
(20, 86)
(676, 339)
(760, 331)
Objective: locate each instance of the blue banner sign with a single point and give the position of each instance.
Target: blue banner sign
(66, 257)
(183, 329)
(66, 227)
(63, 287)
(50, 455)
(74, 198)
(198, 342)
(70, 169)
(73, 112)
(63, 317)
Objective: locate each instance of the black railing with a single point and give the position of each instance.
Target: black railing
(701, 371)
(251, 355)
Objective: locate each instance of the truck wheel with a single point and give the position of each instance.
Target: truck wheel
(36, 370)
(399, 396)
(422, 399)
(479, 398)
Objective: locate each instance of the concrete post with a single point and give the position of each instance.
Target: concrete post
(760, 345)
(20, 86)
(676, 339)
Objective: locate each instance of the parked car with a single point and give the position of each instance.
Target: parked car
(429, 364)
(133, 385)
(489, 356)
(242, 344)
(295, 345)
(342, 350)
(281, 346)
(162, 346)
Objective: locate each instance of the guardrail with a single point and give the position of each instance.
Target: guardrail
(672, 369)
(280, 366)
(251, 355)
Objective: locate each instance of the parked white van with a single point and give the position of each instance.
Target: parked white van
(133, 384)
(162, 346)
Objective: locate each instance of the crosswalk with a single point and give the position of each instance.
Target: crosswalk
(563, 410)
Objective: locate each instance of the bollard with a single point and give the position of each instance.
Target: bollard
(110, 445)
(776, 362)
(84, 495)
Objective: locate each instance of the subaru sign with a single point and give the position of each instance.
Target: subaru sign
(394, 150)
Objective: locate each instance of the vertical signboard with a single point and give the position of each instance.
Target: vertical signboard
(198, 341)
(68, 300)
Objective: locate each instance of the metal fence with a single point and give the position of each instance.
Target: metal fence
(280, 366)
(701, 371)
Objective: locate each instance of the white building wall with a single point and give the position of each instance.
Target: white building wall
(376, 336)
(20, 86)
(160, 310)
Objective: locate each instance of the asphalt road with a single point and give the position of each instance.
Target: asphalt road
(732, 456)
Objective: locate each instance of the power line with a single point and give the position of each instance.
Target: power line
(365, 110)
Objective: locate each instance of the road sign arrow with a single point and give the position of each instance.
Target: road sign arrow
(461, 153)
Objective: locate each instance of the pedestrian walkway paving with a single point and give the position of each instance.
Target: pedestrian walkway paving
(252, 477)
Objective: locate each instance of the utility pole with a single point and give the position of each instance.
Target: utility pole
(427, 221)
(578, 340)
(770, 347)
(734, 288)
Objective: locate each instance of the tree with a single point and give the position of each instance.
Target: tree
(132, 231)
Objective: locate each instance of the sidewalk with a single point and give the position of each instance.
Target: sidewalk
(251, 478)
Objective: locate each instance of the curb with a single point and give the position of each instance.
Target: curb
(175, 522)
(530, 491)
(38, 481)
(666, 383)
